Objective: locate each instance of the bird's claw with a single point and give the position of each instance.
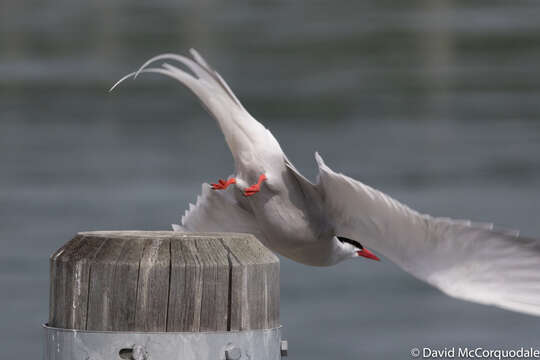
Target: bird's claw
(222, 184)
(253, 189)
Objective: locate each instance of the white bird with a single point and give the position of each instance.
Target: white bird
(338, 218)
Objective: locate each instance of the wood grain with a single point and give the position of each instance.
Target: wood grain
(153, 286)
(164, 281)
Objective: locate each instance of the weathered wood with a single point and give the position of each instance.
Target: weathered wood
(71, 272)
(186, 287)
(126, 277)
(102, 285)
(254, 285)
(153, 286)
(164, 281)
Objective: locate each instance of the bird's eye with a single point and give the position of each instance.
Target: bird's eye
(349, 241)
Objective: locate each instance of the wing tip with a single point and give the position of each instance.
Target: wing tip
(319, 159)
(177, 227)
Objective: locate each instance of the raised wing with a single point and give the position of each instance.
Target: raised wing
(218, 211)
(471, 261)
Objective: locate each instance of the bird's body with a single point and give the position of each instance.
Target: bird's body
(333, 219)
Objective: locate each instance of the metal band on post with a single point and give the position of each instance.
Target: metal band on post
(65, 344)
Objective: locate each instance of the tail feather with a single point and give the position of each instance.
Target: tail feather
(200, 60)
(199, 67)
(193, 66)
(207, 84)
(242, 132)
(183, 77)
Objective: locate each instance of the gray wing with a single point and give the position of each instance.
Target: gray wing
(467, 260)
(218, 211)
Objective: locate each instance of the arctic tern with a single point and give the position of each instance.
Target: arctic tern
(339, 218)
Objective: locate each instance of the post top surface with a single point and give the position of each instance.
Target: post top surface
(246, 247)
(161, 234)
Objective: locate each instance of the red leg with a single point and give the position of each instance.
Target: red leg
(222, 184)
(253, 189)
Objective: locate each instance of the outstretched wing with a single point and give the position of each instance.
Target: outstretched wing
(471, 261)
(218, 211)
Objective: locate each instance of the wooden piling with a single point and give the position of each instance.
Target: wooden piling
(163, 281)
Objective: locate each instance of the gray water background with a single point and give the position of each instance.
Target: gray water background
(434, 102)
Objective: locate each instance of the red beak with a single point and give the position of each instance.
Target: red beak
(367, 254)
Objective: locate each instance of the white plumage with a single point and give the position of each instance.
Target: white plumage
(332, 220)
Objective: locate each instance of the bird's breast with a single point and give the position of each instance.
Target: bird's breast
(290, 228)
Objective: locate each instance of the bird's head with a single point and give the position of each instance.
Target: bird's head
(353, 249)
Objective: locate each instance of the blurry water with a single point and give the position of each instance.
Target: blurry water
(434, 102)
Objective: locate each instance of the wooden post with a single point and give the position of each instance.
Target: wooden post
(163, 281)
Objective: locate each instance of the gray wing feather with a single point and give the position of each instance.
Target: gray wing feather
(464, 259)
(218, 211)
(310, 190)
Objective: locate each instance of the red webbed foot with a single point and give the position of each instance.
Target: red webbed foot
(253, 189)
(222, 184)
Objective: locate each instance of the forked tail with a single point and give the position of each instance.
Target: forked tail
(240, 129)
